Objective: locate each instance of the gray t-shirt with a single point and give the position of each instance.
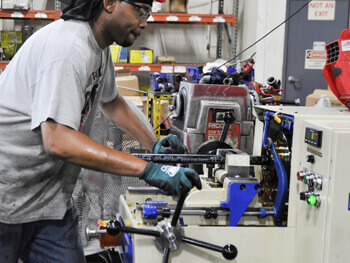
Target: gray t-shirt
(59, 73)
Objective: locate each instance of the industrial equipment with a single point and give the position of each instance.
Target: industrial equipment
(288, 202)
(269, 94)
(199, 110)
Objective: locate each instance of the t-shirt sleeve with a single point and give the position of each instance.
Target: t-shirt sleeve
(110, 89)
(58, 95)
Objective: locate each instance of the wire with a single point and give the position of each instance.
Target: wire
(285, 21)
(171, 113)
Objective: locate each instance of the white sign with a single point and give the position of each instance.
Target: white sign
(345, 45)
(315, 59)
(319, 45)
(321, 10)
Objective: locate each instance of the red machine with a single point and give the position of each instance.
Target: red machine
(337, 68)
(270, 94)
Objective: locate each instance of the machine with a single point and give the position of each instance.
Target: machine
(199, 111)
(287, 202)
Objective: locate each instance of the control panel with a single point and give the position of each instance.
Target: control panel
(314, 183)
(313, 137)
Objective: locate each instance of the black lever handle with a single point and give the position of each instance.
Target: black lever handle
(178, 209)
(114, 228)
(229, 251)
(228, 118)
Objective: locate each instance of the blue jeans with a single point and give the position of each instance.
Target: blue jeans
(44, 241)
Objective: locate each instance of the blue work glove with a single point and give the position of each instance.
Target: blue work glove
(169, 145)
(172, 180)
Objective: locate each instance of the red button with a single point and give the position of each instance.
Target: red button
(298, 176)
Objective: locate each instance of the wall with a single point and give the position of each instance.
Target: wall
(258, 17)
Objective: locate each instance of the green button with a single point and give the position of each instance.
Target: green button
(312, 200)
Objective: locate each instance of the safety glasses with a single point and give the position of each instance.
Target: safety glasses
(143, 13)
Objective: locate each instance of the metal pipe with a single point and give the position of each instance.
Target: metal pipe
(196, 158)
(222, 212)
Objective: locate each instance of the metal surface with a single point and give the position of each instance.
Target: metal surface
(202, 104)
(293, 80)
(170, 237)
(234, 29)
(301, 35)
(220, 32)
(154, 104)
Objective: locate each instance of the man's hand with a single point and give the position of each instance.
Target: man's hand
(171, 179)
(169, 145)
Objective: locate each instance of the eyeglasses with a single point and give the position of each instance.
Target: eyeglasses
(143, 13)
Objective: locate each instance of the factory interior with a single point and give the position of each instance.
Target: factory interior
(231, 149)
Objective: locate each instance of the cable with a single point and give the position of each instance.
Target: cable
(171, 113)
(285, 21)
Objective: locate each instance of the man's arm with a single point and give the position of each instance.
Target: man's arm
(72, 146)
(119, 112)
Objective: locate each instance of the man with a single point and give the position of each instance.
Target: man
(49, 96)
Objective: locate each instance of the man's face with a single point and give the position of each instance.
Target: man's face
(127, 21)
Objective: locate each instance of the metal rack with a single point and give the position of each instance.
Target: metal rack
(171, 18)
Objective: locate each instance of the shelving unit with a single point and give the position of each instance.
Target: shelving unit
(30, 14)
(164, 68)
(181, 18)
(173, 18)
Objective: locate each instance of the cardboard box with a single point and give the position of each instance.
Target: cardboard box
(313, 98)
(165, 60)
(178, 6)
(125, 79)
(139, 102)
(175, 6)
(141, 56)
(119, 54)
(165, 7)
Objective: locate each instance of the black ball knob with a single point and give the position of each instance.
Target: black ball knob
(230, 252)
(113, 227)
(310, 158)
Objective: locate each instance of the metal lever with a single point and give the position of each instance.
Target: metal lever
(229, 251)
(292, 79)
(114, 228)
(228, 118)
(168, 237)
(178, 209)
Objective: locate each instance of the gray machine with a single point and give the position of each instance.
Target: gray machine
(199, 115)
(288, 202)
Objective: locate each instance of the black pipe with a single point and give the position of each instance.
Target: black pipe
(178, 209)
(196, 158)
